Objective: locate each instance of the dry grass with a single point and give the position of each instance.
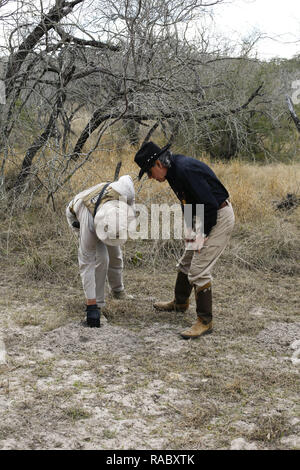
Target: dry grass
(252, 187)
(264, 238)
(270, 428)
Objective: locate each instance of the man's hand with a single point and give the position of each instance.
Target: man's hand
(194, 241)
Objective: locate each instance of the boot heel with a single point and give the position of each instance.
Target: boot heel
(93, 316)
(93, 323)
(208, 332)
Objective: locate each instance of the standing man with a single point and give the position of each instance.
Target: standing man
(193, 183)
(101, 216)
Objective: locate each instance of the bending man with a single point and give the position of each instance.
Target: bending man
(194, 183)
(101, 216)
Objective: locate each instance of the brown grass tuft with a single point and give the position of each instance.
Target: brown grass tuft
(270, 428)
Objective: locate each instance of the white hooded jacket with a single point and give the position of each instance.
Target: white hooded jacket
(121, 190)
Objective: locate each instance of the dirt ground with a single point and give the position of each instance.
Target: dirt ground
(134, 383)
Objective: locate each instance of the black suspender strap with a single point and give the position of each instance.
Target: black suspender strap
(99, 198)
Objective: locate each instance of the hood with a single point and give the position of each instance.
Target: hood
(124, 186)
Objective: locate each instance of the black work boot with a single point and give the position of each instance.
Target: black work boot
(183, 291)
(203, 323)
(93, 316)
(203, 296)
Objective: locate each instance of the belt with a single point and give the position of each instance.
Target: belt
(224, 204)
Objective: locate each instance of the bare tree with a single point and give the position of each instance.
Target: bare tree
(114, 63)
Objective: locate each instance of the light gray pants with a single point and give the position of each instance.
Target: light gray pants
(198, 266)
(96, 260)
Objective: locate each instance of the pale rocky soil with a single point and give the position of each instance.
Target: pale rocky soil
(134, 383)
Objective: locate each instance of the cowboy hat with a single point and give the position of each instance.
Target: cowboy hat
(147, 156)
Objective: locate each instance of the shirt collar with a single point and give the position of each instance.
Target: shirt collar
(172, 170)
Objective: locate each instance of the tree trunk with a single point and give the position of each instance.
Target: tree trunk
(42, 139)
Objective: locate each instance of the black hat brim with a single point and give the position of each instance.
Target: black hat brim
(153, 160)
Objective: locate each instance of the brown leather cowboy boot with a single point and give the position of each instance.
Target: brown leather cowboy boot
(203, 324)
(183, 291)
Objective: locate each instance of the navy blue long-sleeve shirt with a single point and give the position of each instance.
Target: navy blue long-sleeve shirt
(194, 182)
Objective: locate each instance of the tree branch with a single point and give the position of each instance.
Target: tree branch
(66, 37)
(55, 14)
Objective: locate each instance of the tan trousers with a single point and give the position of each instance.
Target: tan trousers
(96, 260)
(198, 266)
